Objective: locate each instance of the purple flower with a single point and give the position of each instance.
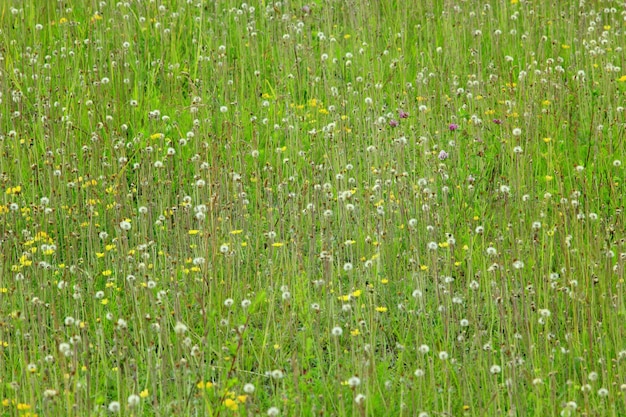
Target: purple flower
(393, 123)
(443, 155)
(497, 121)
(306, 9)
(403, 114)
(453, 127)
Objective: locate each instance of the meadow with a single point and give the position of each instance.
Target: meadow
(322, 207)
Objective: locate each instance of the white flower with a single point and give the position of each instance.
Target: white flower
(180, 328)
(133, 400)
(495, 369)
(248, 388)
(114, 407)
(125, 225)
(277, 374)
(359, 399)
(273, 412)
(354, 381)
(337, 331)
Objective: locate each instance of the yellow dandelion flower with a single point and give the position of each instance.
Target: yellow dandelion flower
(381, 309)
(423, 267)
(278, 244)
(194, 232)
(355, 332)
(622, 79)
(144, 393)
(231, 404)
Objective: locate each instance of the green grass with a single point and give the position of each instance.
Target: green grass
(215, 208)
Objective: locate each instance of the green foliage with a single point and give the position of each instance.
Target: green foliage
(326, 208)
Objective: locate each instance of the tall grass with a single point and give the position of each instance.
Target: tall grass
(326, 208)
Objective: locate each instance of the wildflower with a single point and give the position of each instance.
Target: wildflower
(133, 400)
(50, 393)
(517, 131)
(359, 399)
(402, 114)
(603, 392)
(180, 328)
(495, 369)
(354, 382)
(443, 155)
(231, 404)
(125, 225)
(424, 349)
(393, 123)
(336, 331)
(452, 127)
(273, 412)
(419, 373)
(443, 355)
(248, 388)
(245, 303)
(114, 407)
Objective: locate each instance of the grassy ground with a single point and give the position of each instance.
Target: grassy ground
(339, 208)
